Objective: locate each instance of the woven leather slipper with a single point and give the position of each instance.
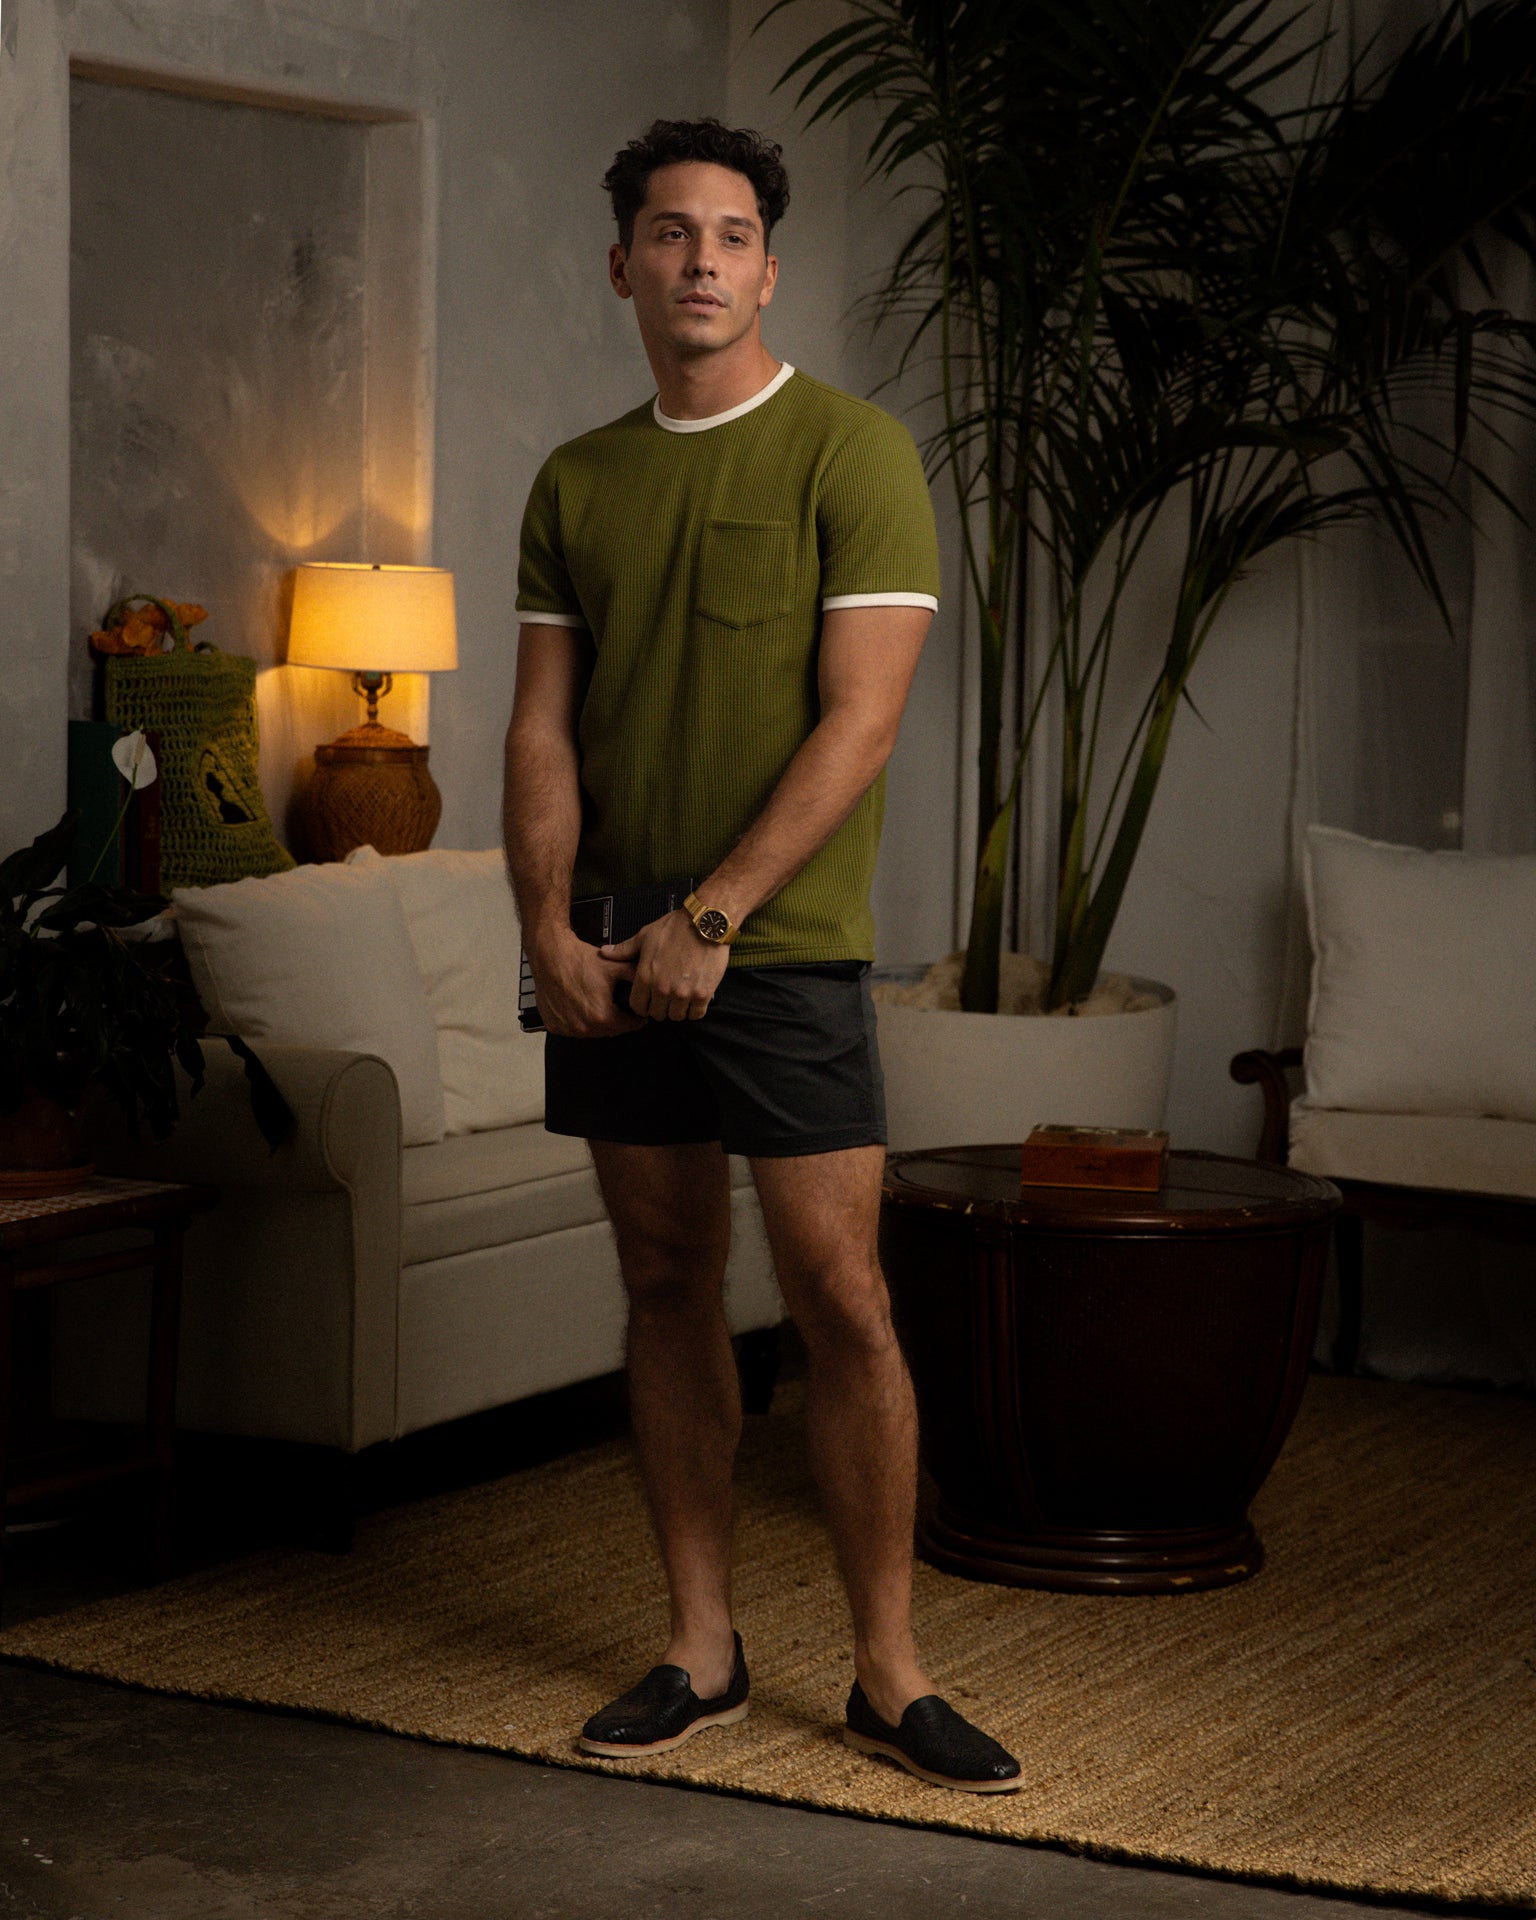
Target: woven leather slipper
(933, 1742)
(663, 1711)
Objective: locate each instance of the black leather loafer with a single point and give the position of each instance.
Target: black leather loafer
(935, 1743)
(663, 1711)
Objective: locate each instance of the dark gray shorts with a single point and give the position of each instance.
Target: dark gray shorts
(784, 1062)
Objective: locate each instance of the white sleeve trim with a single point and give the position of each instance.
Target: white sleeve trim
(527, 617)
(880, 600)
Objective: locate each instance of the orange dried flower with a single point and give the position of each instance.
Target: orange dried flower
(143, 629)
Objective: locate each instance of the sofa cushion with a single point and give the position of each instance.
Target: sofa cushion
(1458, 1153)
(318, 957)
(1423, 979)
(464, 928)
(489, 1189)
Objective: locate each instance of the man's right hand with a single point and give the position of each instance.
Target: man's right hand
(574, 985)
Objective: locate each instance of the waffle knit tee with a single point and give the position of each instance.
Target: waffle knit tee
(701, 555)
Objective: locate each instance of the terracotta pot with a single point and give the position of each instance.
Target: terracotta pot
(40, 1135)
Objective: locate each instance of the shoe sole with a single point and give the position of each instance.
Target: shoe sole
(627, 1750)
(861, 1743)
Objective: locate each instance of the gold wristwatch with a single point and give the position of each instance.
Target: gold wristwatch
(709, 923)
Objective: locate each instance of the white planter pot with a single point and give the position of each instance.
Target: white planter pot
(984, 1079)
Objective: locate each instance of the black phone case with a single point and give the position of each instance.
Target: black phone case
(601, 919)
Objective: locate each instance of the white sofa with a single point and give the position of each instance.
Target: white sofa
(421, 1249)
(346, 1291)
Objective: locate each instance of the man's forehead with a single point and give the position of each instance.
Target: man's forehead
(690, 189)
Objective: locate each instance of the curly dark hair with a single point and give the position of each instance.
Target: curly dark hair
(665, 142)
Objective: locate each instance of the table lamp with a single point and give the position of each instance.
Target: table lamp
(371, 785)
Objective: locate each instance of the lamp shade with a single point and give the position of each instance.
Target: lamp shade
(373, 619)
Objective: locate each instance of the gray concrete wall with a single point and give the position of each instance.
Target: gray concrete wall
(218, 365)
(487, 128)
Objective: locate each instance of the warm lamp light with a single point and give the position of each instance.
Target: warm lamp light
(372, 785)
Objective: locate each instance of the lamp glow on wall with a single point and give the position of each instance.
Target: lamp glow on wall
(371, 785)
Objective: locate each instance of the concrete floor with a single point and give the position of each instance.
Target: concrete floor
(122, 1805)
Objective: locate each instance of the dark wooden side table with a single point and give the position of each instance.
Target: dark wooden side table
(30, 1256)
(1103, 1379)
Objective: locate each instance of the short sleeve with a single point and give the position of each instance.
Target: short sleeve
(874, 522)
(544, 590)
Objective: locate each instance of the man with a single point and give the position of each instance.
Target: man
(722, 597)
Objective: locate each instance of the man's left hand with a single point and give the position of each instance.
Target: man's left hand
(674, 971)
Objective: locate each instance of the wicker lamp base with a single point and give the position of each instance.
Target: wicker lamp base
(371, 788)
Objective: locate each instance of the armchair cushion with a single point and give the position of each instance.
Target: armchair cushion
(1456, 1153)
(1423, 979)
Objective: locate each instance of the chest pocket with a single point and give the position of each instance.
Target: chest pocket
(744, 572)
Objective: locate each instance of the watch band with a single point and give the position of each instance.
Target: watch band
(710, 923)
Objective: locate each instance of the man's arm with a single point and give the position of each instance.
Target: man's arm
(541, 824)
(867, 658)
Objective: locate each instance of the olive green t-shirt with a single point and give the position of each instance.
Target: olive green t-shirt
(700, 555)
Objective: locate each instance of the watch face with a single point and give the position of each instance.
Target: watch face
(713, 924)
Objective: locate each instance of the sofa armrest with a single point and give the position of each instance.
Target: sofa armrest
(291, 1288)
(1269, 1070)
(347, 1132)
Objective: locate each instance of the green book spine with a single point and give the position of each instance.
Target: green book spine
(96, 791)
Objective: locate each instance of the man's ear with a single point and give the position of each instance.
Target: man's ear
(618, 271)
(770, 280)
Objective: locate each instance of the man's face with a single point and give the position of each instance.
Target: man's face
(697, 268)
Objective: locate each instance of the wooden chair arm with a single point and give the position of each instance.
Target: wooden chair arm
(1269, 1070)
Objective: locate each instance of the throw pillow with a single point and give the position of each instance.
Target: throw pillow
(1423, 979)
(318, 957)
(463, 925)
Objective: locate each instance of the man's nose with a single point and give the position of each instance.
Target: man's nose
(701, 261)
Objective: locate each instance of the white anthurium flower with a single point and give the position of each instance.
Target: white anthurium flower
(134, 760)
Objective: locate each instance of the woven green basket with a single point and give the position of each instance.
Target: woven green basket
(214, 824)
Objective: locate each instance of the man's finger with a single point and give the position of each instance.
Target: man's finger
(622, 949)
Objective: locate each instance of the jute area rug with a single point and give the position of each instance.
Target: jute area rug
(1360, 1717)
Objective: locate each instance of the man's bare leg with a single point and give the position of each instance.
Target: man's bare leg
(822, 1214)
(671, 1213)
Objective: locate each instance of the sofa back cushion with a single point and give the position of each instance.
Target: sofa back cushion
(1423, 979)
(464, 929)
(318, 957)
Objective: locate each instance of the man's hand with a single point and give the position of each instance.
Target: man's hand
(574, 983)
(675, 973)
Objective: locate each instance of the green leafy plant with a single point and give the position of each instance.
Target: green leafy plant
(1167, 274)
(80, 1006)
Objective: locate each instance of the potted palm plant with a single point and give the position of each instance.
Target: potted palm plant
(1173, 283)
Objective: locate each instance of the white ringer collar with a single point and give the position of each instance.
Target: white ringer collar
(731, 413)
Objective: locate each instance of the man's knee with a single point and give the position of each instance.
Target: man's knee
(841, 1307)
(668, 1267)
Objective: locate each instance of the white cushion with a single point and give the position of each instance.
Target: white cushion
(464, 929)
(1453, 1152)
(318, 957)
(1423, 979)
(489, 1189)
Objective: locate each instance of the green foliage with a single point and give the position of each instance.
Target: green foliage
(1162, 270)
(79, 1005)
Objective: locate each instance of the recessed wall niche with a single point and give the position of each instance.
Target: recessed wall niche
(247, 375)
